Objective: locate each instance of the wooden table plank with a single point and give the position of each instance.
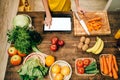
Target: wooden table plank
(8, 10)
(69, 51)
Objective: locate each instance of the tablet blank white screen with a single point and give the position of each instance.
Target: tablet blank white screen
(59, 24)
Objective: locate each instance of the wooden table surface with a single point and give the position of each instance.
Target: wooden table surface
(8, 9)
(69, 51)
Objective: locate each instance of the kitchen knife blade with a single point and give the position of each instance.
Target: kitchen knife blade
(82, 23)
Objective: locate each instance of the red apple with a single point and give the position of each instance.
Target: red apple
(60, 42)
(53, 47)
(12, 51)
(54, 40)
(15, 60)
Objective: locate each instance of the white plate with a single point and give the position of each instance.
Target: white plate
(61, 63)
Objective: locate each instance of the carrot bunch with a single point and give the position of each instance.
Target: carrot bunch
(108, 65)
(94, 24)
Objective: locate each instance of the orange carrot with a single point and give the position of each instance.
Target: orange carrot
(107, 60)
(105, 65)
(94, 24)
(101, 64)
(110, 74)
(95, 19)
(115, 75)
(115, 63)
(110, 62)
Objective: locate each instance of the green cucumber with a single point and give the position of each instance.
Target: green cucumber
(92, 72)
(94, 67)
(90, 66)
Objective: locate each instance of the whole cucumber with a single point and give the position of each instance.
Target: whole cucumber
(92, 72)
(94, 67)
(91, 65)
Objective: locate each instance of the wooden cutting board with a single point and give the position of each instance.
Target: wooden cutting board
(104, 30)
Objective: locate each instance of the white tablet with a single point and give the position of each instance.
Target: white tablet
(59, 23)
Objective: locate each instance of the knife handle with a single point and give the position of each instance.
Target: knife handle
(76, 14)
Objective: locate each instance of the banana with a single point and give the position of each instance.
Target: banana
(95, 45)
(100, 48)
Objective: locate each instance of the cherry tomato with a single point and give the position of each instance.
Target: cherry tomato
(86, 62)
(79, 63)
(80, 70)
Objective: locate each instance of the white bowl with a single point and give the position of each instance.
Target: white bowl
(61, 63)
(33, 55)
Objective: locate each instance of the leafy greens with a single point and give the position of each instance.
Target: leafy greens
(32, 70)
(24, 39)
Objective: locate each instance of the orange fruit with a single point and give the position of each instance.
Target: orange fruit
(49, 60)
(21, 54)
(15, 60)
(65, 70)
(56, 68)
(58, 76)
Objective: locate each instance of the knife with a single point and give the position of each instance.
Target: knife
(82, 23)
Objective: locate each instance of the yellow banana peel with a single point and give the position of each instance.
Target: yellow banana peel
(95, 45)
(100, 48)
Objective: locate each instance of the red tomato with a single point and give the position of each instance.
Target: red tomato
(79, 63)
(80, 70)
(86, 62)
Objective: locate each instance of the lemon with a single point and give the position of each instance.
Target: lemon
(56, 69)
(58, 76)
(65, 70)
(49, 60)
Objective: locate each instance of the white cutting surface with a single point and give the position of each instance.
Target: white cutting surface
(59, 24)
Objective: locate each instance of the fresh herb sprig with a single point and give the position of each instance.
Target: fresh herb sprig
(24, 39)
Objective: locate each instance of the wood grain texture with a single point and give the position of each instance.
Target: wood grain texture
(69, 51)
(8, 9)
(104, 30)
